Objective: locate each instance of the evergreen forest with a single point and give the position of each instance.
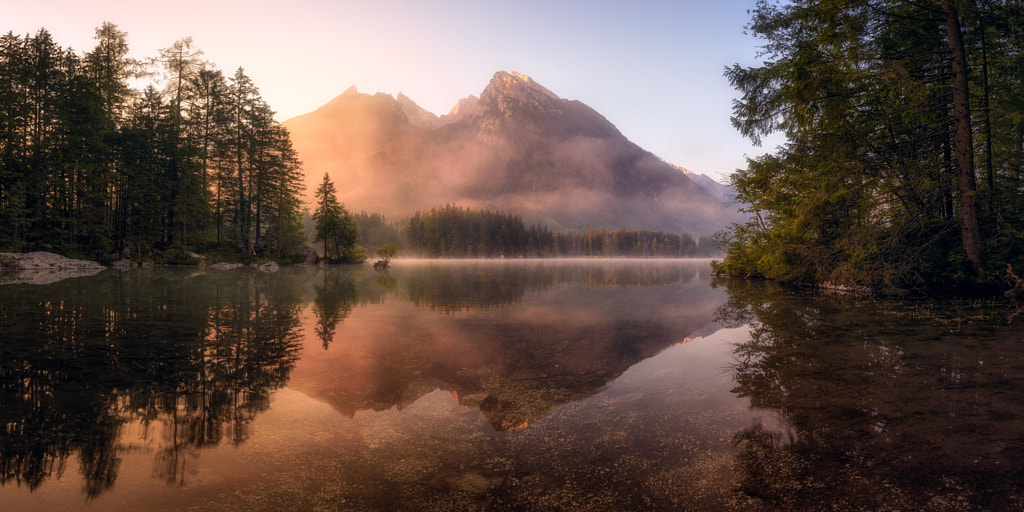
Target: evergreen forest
(90, 166)
(462, 232)
(904, 126)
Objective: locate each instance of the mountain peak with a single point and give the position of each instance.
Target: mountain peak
(463, 108)
(505, 83)
(516, 147)
(417, 115)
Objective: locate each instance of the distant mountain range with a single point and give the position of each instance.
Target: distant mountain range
(517, 147)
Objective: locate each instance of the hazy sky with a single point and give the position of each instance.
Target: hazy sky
(653, 68)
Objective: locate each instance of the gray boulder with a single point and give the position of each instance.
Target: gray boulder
(43, 268)
(43, 261)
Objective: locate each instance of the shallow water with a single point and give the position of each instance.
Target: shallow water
(515, 385)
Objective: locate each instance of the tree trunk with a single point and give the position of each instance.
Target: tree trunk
(969, 234)
(987, 123)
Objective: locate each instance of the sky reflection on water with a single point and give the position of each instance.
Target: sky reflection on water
(603, 385)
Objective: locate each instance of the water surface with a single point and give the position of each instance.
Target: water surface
(516, 385)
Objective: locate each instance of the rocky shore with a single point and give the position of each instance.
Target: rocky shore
(44, 261)
(47, 268)
(43, 268)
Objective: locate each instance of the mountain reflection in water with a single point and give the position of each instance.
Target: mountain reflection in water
(514, 364)
(515, 385)
(174, 363)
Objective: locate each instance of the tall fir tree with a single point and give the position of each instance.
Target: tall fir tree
(90, 166)
(334, 226)
(880, 102)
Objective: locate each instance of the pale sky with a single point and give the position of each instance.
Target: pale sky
(651, 67)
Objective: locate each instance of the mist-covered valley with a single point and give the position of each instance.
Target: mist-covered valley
(518, 147)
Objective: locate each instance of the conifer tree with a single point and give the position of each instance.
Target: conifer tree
(334, 226)
(88, 165)
(881, 103)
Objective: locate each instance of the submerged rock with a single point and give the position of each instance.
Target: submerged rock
(470, 482)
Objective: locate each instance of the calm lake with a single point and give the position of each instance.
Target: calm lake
(511, 385)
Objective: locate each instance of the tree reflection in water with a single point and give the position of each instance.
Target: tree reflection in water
(336, 295)
(890, 405)
(465, 285)
(190, 362)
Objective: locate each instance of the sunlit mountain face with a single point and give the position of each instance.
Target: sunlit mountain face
(517, 147)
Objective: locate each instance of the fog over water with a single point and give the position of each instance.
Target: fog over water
(500, 385)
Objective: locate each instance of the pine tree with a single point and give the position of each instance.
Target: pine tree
(88, 165)
(876, 184)
(334, 226)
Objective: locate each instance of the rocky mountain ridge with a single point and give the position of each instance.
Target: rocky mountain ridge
(517, 146)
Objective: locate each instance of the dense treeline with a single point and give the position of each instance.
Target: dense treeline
(463, 232)
(453, 231)
(375, 230)
(903, 165)
(91, 166)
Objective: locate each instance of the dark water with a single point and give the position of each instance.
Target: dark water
(568, 385)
